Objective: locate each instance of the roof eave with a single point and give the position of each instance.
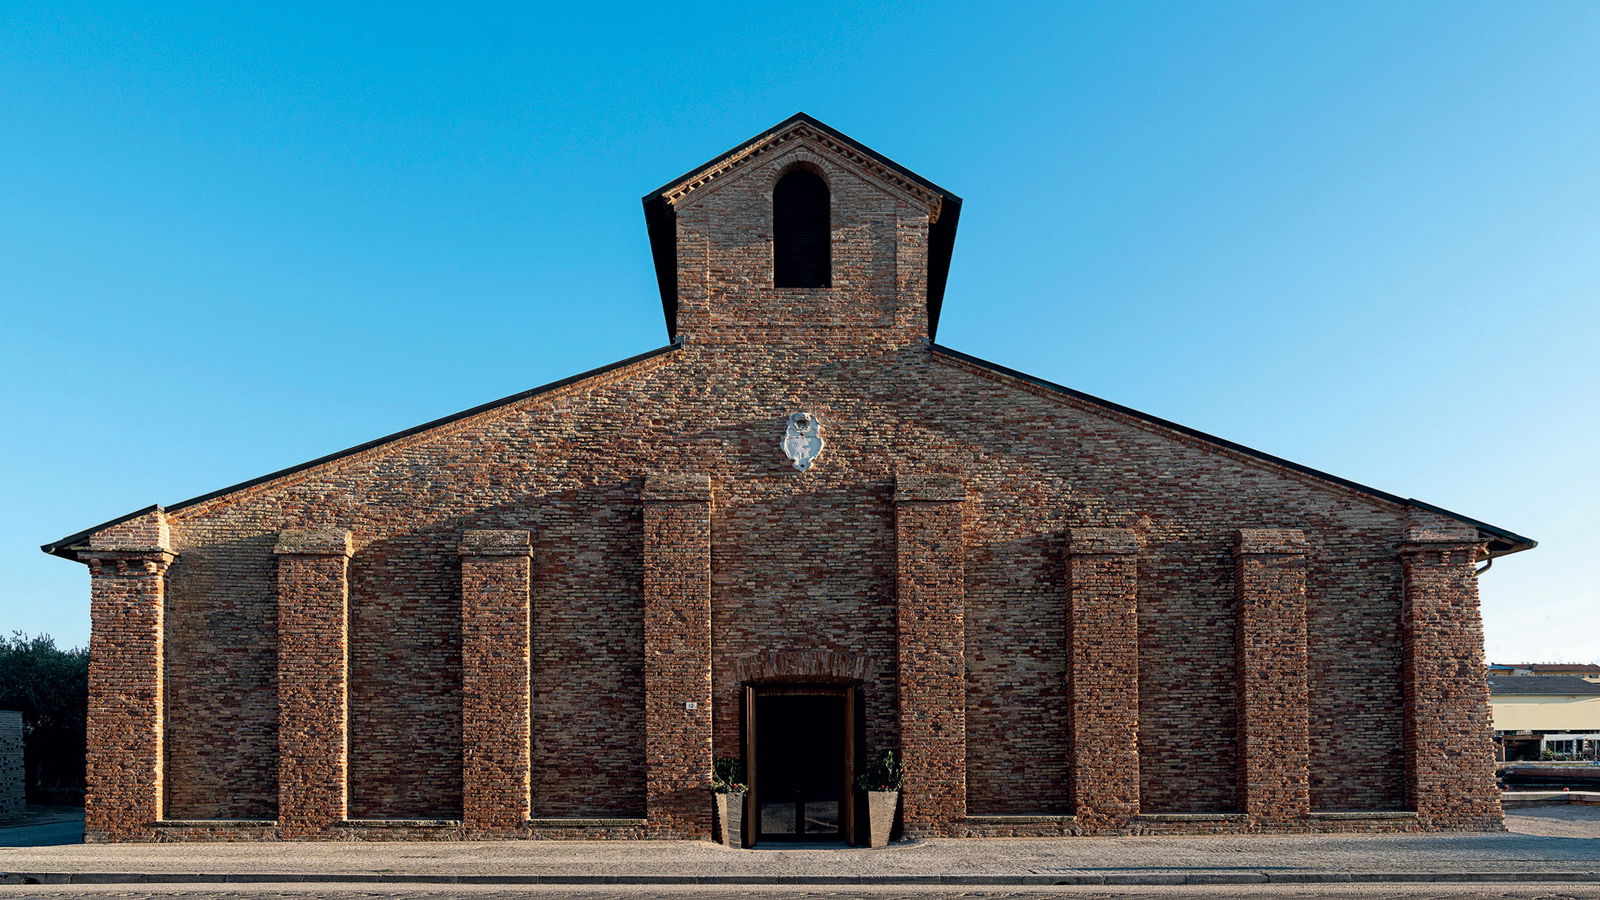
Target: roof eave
(1500, 541)
(66, 547)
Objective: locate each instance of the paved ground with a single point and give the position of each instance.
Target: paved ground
(1560, 839)
(1220, 892)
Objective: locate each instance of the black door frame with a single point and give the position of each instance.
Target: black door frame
(853, 743)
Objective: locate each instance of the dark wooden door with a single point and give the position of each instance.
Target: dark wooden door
(800, 749)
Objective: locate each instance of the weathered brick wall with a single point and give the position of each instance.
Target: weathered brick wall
(1102, 650)
(801, 564)
(677, 653)
(124, 767)
(1353, 645)
(13, 800)
(221, 671)
(313, 680)
(496, 682)
(1270, 655)
(1449, 761)
(797, 561)
(831, 528)
(880, 259)
(405, 730)
(930, 615)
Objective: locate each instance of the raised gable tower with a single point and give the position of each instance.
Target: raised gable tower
(723, 233)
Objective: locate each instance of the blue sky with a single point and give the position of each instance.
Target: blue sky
(1363, 236)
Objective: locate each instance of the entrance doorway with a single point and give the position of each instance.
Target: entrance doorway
(800, 753)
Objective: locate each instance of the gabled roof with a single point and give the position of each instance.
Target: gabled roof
(1500, 541)
(1540, 685)
(63, 547)
(660, 217)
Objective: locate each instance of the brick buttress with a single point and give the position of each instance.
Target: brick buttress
(1103, 677)
(931, 650)
(496, 678)
(126, 702)
(1449, 745)
(1270, 661)
(313, 680)
(677, 654)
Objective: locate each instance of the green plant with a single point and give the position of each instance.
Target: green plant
(50, 687)
(885, 773)
(727, 775)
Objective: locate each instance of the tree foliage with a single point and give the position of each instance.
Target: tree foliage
(50, 687)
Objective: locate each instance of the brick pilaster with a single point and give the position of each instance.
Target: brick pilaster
(1449, 745)
(124, 772)
(677, 654)
(1103, 677)
(1270, 665)
(931, 650)
(313, 680)
(496, 679)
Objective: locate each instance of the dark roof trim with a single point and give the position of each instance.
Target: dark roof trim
(1503, 542)
(660, 221)
(59, 548)
(941, 246)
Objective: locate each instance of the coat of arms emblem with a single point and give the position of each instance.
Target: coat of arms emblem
(802, 442)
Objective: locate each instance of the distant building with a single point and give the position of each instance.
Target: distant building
(1537, 713)
(1587, 671)
(12, 781)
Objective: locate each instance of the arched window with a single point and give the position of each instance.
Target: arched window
(802, 255)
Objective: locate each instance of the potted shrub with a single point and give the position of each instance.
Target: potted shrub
(881, 783)
(728, 792)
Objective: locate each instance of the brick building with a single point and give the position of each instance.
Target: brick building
(801, 532)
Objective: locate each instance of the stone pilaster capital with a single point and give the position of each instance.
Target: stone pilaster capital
(1270, 542)
(1102, 542)
(130, 561)
(676, 488)
(496, 542)
(315, 542)
(928, 488)
(1441, 545)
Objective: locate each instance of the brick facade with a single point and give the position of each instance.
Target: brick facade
(1449, 745)
(13, 787)
(1274, 737)
(677, 653)
(496, 682)
(930, 658)
(313, 680)
(1102, 649)
(537, 618)
(125, 761)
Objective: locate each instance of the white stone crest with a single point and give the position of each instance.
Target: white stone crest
(802, 442)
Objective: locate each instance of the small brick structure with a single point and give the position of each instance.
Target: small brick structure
(13, 777)
(545, 616)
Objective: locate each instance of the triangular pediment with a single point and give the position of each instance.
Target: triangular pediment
(800, 137)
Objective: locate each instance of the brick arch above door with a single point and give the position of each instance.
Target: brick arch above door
(805, 666)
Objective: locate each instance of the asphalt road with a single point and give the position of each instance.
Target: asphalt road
(1219, 892)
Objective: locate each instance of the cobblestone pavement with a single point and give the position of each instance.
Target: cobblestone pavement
(1218, 892)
